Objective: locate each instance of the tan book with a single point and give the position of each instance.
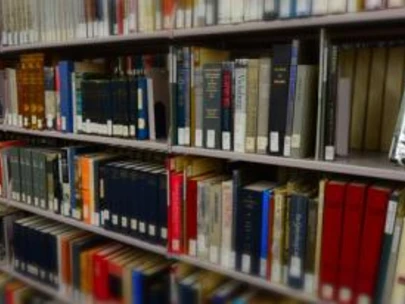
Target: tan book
(359, 103)
(375, 99)
(251, 106)
(392, 94)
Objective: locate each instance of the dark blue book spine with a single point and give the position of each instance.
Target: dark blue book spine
(143, 124)
(137, 287)
(134, 208)
(133, 106)
(66, 106)
(181, 97)
(143, 201)
(152, 218)
(264, 241)
(71, 154)
(298, 231)
(162, 209)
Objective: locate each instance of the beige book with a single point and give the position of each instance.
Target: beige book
(375, 99)
(398, 290)
(215, 222)
(392, 94)
(251, 106)
(359, 103)
(321, 200)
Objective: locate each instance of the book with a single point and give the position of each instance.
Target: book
(252, 105)
(240, 116)
(320, 7)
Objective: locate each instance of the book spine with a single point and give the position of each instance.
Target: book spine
(298, 232)
(199, 106)
(176, 212)
(186, 91)
(142, 121)
(212, 74)
(240, 105)
(270, 9)
(251, 107)
(331, 239)
(263, 106)
(291, 97)
(191, 241)
(227, 218)
(311, 246)
(215, 224)
(65, 70)
(163, 218)
(278, 239)
(264, 234)
(211, 12)
(202, 233)
(279, 97)
(227, 99)
(371, 241)
(351, 234)
(319, 7)
(180, 99)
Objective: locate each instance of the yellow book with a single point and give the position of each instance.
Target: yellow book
(359, 102)
(392, 94)
(200, 57)
(375, 99)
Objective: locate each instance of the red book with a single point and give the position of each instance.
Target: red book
(168, 13)
(100, 275)
(190, 245)
(120, 17)
(371, 242)
(351, 235)
(176, 199)
(331, 239)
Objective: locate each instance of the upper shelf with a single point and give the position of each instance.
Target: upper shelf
(365, 17)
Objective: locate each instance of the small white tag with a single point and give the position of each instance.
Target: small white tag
(276, 272)
(295, 267)
(20, 121)
(246, 263)
(263, 268)
(134, 225)
(327, 291)
(287, 146)
(187, 136)
(211, 139)
(152, 230)
(309, 283)
(232, 260)
(214, 254)
(345, 294)
(55, 205)
(176, 245)
(180, 137)
(124, 222)
(198, 138)
(43, 204)
(226, 141)
(274, 147)
(142, 228)
(163, 233)
(363, 299)
(63, 123)
(250, 144)
(29, 201)
(296, 141)
(40, 124)
(115, 219)
(192, 248)
(262, 143)
(330, 153)
(132, 131)
(36, 201)
(390, 218)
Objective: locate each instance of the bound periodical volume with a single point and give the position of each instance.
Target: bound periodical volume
(123, 97)
(306, 235)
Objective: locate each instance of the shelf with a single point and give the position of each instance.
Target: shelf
(97, 230)
(141, 37)
(37, 285)
(113, 141)
(255, 281)
(367, 165)
(396, 14)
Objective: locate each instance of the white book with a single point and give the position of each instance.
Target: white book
(151, 110)
(240, 105)
(224, 11)
(199, 13)
(374, 4)
(320, 7)
(210, 12)
(395, 3)
(106, 20)
(337, 6)
(180, 15)
(284, 9)
(237, 10)
(227, 223)
(304, 7)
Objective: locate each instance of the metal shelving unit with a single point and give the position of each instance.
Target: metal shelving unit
(113, 141)
(37, 285)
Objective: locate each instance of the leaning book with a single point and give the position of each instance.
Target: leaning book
(397, 151)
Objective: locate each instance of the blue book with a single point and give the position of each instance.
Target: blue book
(137, 287)
(66, 99)
(143, 124)
(298, 232)
(264, 242)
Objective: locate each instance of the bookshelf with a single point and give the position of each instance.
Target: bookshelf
(254, 281)
(34, 284)
(369, 165)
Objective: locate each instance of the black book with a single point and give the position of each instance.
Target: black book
(212, 84)
(133, 105)
(162, 209)
(280, 77)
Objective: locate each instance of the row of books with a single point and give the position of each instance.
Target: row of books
(262, 105)
(333, 239)
(364, 85)
(88, 268)
(124, 97)
(25, 22)
(13, 291)
(90, 186)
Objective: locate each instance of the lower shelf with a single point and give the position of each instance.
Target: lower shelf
(36, 285)
(252, 280)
